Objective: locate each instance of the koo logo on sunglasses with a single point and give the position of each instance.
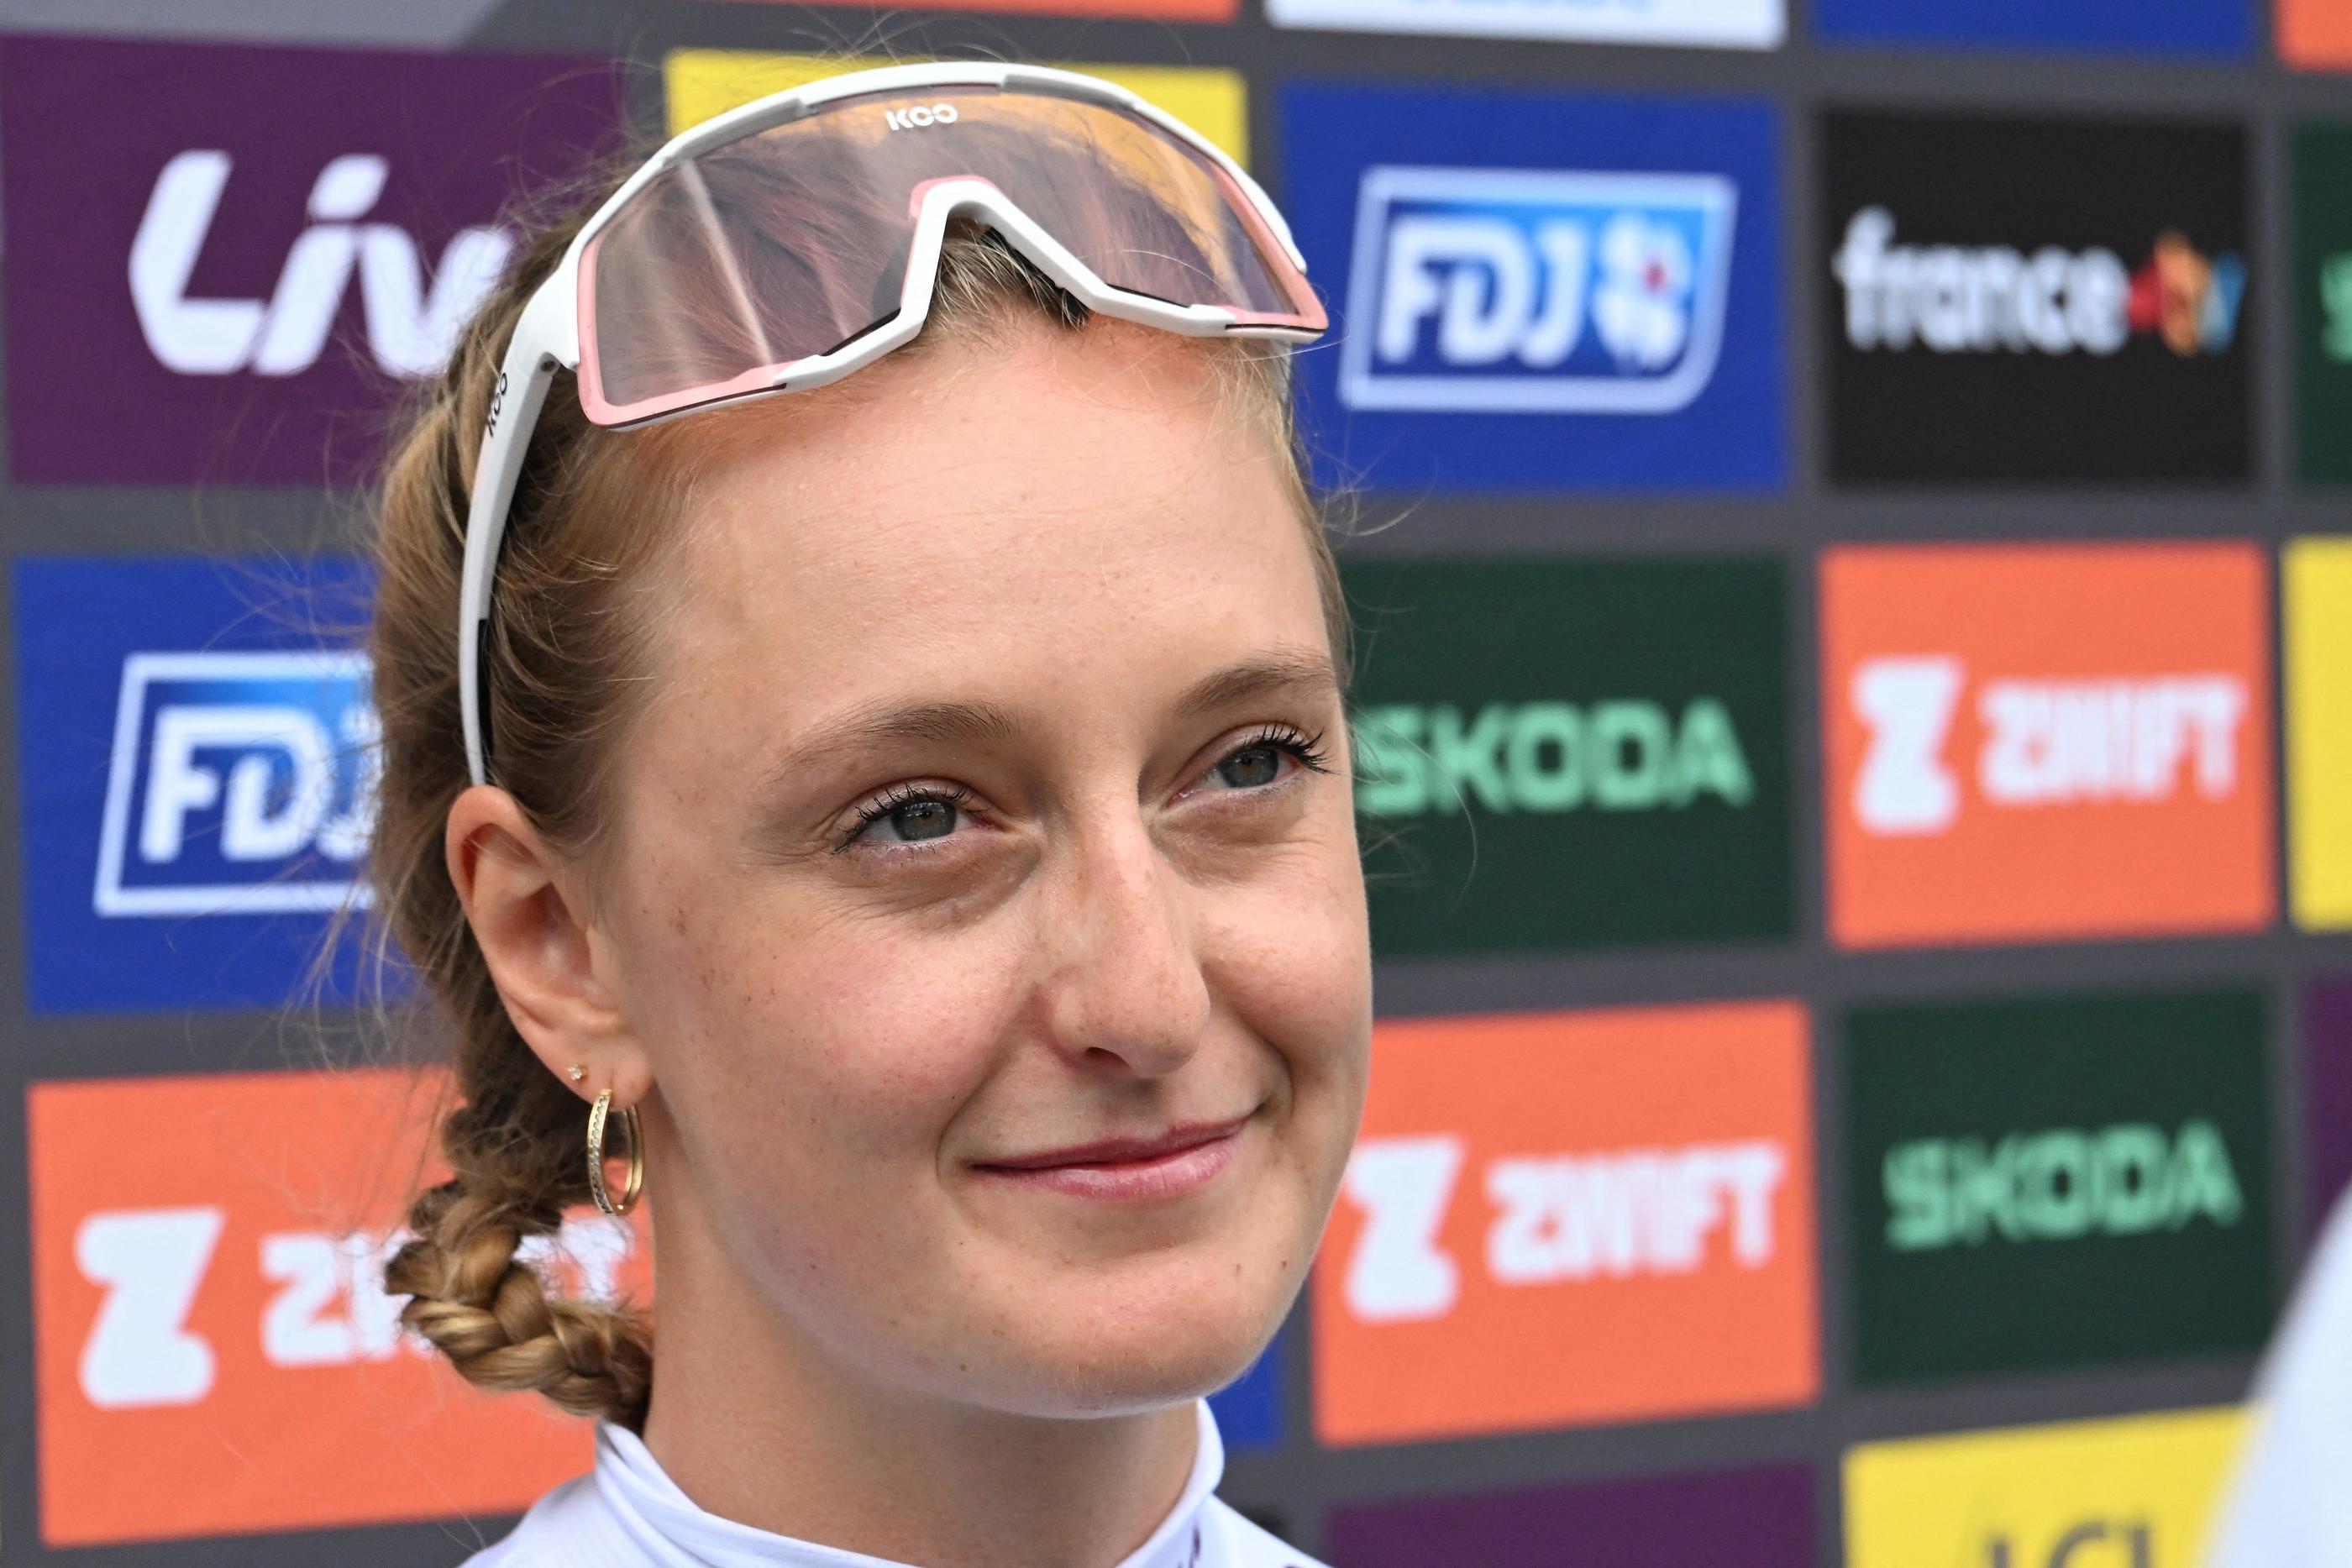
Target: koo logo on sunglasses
(920, 115)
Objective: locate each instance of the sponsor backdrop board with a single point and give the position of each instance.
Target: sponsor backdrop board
(207, 1257)
(1541, 293)
(2217, 29)
(2012, 301)
(2140, 1490)
(2315, 605)
(2058, 1181)
(1746, 1518)
(1746, 719)
(700, 83)
(1727, 23)
(2315, 35)
(1550, 1219)
(2037, 741)
(2327, 1086)
(192, 743)
(1149, 10)
(1553, 756)
(221, 261)
(2320, 173)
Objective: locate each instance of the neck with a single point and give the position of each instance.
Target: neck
(759, 1425)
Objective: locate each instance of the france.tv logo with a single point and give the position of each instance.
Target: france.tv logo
(198, 758)
(1509, 290)
(240, 782)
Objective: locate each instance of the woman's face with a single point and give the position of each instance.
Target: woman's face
(987, 899)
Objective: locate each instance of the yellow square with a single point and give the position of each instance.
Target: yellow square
(2316, 586)
(701, 83)
(2140, 1490)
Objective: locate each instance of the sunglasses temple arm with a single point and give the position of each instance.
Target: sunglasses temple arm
(528, 371)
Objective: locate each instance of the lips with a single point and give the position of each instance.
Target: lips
(1133, 1169)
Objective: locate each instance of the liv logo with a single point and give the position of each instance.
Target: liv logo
(411, 326)
(1514, 290)
(223, 262)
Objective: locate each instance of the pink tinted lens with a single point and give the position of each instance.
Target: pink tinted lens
(793, 240)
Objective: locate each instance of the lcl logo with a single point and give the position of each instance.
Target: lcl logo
(411, 326)
(2094, 1543)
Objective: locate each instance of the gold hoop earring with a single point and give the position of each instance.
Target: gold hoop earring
(596, 1114)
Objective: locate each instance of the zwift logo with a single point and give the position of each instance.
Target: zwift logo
(411, 327)
(1950, 299)
(2044, 742)
(1529, 291)
(240, 783)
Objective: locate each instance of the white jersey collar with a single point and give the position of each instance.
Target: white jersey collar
(665, 1524)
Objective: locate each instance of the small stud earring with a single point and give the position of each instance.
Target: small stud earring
(578, 1073)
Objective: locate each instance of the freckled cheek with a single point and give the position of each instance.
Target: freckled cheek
(870, 1039)
(1297, 955)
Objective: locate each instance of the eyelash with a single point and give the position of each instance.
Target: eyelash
(1306, 749)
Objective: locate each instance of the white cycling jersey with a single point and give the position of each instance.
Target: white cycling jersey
(628, 1513)
(2290, 1505)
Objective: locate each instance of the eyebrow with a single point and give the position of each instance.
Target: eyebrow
(983, 723)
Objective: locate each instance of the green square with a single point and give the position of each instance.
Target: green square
(1566, 754)
(2322, 181)
(2054, 1183)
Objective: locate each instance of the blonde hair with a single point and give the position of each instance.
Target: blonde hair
(565, 675)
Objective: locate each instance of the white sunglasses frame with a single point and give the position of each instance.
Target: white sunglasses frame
(547, 334)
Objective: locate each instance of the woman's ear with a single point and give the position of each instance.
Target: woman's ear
(523, 905)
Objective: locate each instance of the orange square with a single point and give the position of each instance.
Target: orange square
(1565, 1219)
(2037, 741)
(213, 1352)
(2315, 35)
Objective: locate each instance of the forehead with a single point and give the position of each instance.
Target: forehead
(1029, 512)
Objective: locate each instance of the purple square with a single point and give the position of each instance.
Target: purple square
(2327, 1067)
(1736, 1519)
(224, 265)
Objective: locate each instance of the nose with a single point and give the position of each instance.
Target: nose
(1123, 982)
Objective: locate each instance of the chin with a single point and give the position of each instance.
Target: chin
(1159, 1336)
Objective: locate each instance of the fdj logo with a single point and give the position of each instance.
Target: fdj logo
(1549, 756)
(1522, 291)
(240, 783)
(410, 328)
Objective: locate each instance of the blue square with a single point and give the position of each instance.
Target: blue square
(1249, 1410)
(1537, 292)
(194, 741)
(2209, 29)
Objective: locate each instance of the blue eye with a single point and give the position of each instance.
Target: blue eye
(1257, 762)
(1251, 766)
(922, 819)
(915, 813)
